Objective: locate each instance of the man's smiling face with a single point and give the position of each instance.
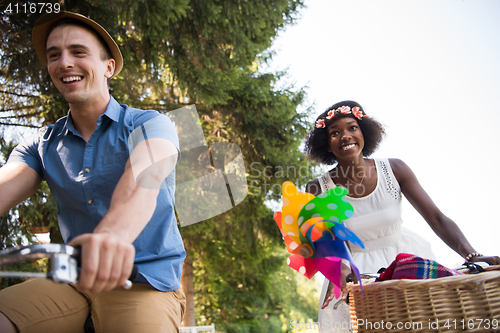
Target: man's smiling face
(75, 64)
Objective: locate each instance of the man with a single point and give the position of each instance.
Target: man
(110, 169)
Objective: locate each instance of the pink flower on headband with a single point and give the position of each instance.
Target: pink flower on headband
(345, 109)
(330, 114)
(356, 111)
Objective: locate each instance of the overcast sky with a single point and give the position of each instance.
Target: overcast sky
(429, 70)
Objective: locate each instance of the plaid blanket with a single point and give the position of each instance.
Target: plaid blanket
(409, 266)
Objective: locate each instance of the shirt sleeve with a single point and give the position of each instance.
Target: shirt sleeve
(27, 153)
(153, 124)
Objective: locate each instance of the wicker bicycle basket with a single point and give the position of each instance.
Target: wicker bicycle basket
(468, 302)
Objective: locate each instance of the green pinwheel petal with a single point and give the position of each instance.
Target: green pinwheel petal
(331, 205)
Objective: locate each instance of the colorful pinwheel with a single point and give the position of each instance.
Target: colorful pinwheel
(314, 233)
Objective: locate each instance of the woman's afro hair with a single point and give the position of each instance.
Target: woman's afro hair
(316, 142)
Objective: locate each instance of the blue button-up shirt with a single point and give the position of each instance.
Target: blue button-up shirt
(83, 175)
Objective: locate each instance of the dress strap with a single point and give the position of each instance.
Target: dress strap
(326, 182)
(391, 183)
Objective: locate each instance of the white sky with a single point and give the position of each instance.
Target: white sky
(429, 71)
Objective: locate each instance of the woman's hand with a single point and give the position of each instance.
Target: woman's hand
(330, 295)
(492, 260)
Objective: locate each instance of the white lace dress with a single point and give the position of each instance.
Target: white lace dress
(377, 222)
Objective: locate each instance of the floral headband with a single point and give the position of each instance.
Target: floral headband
(355, 111)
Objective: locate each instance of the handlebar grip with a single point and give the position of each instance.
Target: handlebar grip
(78, 256)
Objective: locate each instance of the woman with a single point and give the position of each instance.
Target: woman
(345, 135)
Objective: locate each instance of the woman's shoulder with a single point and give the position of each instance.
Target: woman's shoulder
(313, 187)
(399, 168)
(397, 163)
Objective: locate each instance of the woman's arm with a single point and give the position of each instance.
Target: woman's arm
(442, 225)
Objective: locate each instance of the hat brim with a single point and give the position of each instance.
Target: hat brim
(42, 28)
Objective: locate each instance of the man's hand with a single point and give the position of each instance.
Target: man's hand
(107, 261)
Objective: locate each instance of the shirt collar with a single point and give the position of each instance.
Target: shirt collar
(69, 124)
(112, 112)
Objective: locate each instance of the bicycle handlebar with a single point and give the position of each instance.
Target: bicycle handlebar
(65, 262)
(33, 252)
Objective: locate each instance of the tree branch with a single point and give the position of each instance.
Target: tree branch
(20, 108)
(22, 125)
(20, 95)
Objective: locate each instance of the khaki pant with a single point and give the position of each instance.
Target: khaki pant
(40, 305)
